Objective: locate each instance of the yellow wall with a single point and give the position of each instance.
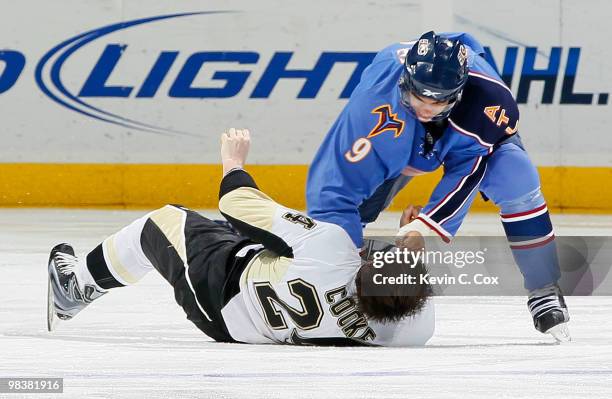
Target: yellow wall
(567, 189)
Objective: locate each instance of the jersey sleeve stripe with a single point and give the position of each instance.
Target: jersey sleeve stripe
(456, 199)
(439, 230)
(480, 141)
(457, 188)
(466, 197)
(490, 79)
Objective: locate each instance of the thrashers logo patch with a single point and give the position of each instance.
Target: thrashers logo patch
(387, 121)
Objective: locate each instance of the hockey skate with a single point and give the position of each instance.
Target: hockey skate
(549, 312)
(67, 296)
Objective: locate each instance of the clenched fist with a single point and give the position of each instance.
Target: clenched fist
(235, 144)
(412, 240)
(410, 213)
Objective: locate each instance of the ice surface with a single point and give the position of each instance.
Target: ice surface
(135, 342)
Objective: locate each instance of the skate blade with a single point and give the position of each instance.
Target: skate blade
(560, 333)
(51, 316)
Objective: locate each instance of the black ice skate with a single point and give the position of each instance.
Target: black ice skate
(66, 298)
(549, 312)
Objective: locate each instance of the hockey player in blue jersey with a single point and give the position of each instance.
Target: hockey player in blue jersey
(430, 103)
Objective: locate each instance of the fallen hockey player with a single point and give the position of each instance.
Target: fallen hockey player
(286, 278)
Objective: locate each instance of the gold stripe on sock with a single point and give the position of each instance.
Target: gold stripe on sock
(115, 264)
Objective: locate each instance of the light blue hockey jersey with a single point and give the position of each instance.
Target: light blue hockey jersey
(375, 139)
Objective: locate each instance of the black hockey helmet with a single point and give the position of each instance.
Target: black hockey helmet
(435, 67)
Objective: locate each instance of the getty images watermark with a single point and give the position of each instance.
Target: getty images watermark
(487, 266)
(458, 259)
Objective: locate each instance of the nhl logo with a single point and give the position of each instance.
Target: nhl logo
(423, 47)
(462, 55)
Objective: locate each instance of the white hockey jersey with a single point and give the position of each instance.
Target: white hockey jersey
(298, 290)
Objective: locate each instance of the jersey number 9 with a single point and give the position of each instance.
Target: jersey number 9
(361, 148)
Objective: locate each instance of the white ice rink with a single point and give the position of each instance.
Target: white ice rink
(135, 342)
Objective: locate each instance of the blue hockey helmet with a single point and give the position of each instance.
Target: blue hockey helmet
(436, 68)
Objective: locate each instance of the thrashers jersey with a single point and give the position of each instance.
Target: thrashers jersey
(375, 138)
(298, 287)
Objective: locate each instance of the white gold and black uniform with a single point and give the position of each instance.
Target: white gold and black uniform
(285, 279)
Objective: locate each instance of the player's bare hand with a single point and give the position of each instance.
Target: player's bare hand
(235, 144)
(410, 213)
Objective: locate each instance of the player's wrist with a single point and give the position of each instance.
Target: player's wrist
(231, 164)
(416, 226)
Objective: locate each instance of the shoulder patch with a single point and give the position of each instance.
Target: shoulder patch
(387, 121)
(492, 113)
(487, 111)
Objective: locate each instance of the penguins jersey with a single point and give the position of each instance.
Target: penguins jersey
(375, 139)
(298, 287)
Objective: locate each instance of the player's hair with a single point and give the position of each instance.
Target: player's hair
(391, 302)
